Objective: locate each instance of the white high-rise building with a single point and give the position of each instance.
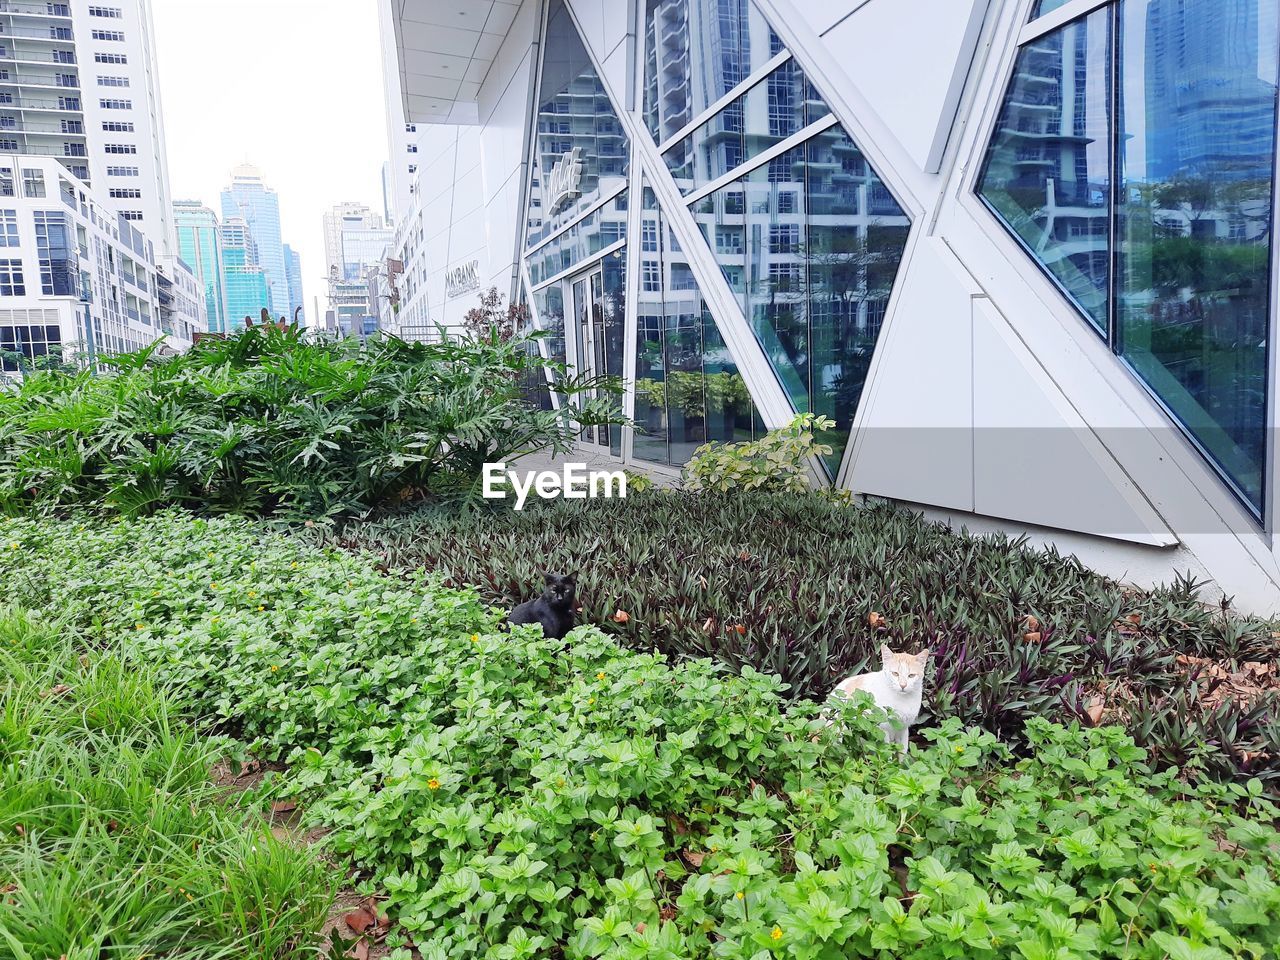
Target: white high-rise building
(78, 85)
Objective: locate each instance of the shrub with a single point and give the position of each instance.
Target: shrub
(270, 423)
(113, 840)
(807, 589)
(777, 461)
(521, 797)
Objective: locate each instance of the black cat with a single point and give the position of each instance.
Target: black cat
(556, 609)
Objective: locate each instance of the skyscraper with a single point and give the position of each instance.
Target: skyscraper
(247, 287)
(293, 272)
(257, 205)
(99, 111)
(200, 244)
(355, 240)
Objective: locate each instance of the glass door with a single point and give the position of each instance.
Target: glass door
(589, 339)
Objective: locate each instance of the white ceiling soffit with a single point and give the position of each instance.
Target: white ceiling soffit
(446, 48)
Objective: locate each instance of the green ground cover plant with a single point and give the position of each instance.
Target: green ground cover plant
(795, 585)
(114, 843)
(517, 797)
(272, 423)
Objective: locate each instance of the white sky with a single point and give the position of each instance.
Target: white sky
(294, 87)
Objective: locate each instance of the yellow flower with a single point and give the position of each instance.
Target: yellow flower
(776, 932)
(274, 668)
(252, 594)
(475, 638)
(739, 894)
(590, 701)
(600, 675)
(215, 619)
(213, 586)
(13, 546)
(433, 784)
(293, 566)
(137, 626)
(413, 619)
(261, 608)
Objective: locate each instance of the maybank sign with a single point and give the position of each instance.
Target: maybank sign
(462, 279)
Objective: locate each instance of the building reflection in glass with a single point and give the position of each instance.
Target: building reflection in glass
(581, 152)
(1183, 210)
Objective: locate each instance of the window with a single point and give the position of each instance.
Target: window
(1148, 201)
(651, 276)
(131, 214)
(121, 148)
(23, 344)
(413, 148)
(125, 193)
(761, 117)
(7, 144)
(11, 282)
(687, 390)
(114, 36)
(113, 81)
(112, 13)
(110, 58)
(8, 228)
(694, 54)
(649, 236)
(32, 183)
(6, 182)
(122, 171)
(784, 238)
(117, 126)
(569, 175)
(58, 269)
(116, 104)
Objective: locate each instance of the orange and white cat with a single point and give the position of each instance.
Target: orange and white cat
(897, 690)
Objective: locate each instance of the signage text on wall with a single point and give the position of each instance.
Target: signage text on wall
(462, 279)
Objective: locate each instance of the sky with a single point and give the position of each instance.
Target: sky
(292, 86)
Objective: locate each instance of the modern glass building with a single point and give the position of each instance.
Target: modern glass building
(251, 200)
(245, 280)
(1020, 253)
(293, 272)
(199, 237)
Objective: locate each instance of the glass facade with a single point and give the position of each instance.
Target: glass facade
(688, 390)
(697, 51)
(1048, 173)
(811, 242)
(1047, 6)
(200, 246)
(581, 153)
(59, 268)
(603, 227)
(770, 111)
(1163, 240)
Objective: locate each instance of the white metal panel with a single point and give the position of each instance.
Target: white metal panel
(915, 437)
(910, 76)
(1035, 458)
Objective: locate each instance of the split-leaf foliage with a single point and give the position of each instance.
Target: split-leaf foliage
(273, 422)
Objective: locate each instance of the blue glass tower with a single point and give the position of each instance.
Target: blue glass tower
(251, 200)
(200, 245)
(293, 273)
(247, 288)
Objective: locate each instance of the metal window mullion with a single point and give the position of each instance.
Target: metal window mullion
(1056, 19)
(739, 88)
(1117, 180)
(565, 228)
(583, 264)
(778, 149)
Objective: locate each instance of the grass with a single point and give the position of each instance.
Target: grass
(114, 842)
